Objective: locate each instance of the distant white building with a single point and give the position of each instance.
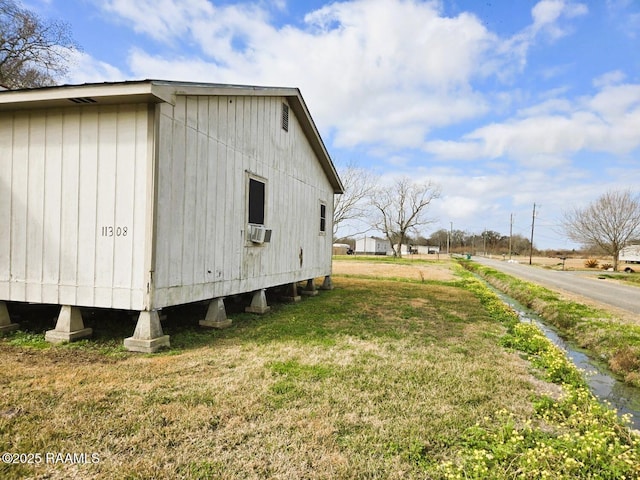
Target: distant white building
(630, 254)
(373, 246)
(428, 249)
(341, 248)
(406, 249)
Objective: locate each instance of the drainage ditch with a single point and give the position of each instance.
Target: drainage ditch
(602, 383)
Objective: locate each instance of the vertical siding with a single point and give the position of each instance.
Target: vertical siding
(65, 176)
(203, 203)
(128, 139)
(216, 222)
(19, 211)
(176, 209)
(201, 243)
(106, 199)
(190, 203)
(70, 202)
(162, 236)
(144, 200)
(6, 202)
(35, 208)
(87, 147)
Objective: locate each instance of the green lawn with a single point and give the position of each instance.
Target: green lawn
(378, 378)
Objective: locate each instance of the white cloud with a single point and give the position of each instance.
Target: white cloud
(460, 207)
(379, 71)
(548, 17)
(609, 78)
(614, 103)
(162, 20)
(547, 107)
(450, 149)
(86, 69)
(547, 13)
(376, 72)
(550, 132)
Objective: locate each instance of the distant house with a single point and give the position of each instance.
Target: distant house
(147, 194)
(428, 249)
(341, 248)
(406, 249)
(630, 254)
(372, 246)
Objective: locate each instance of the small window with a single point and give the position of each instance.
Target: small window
(323, 218)
(285, 117)
(256, 201)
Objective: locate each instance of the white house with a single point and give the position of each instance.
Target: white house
(428, 249)
(372, 246)
(147, 194)
(630, 254)
(341, 248)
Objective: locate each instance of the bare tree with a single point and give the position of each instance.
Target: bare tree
(607, 223)
(33, 52)
(401, 208)
(351, 205)
(439, 238)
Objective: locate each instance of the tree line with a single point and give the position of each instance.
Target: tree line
(460, 241)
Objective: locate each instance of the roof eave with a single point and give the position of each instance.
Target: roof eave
(66, 95)
(311, 132)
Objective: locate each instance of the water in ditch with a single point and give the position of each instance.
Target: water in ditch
(602, 383)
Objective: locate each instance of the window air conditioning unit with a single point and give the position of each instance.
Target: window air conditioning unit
(256, 233)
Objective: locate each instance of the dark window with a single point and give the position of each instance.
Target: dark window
(256, 202)
(285, 117)
(323, 217)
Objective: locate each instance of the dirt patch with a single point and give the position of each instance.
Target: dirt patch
(570, 263)
(440, 271)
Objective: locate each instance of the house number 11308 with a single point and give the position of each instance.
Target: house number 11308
(111, 231)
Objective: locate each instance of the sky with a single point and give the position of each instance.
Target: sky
(503, 104)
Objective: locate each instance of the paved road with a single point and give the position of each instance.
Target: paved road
(586, 284)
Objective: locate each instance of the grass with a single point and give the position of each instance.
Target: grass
(608, 338)
(631, 278)
(375, 379)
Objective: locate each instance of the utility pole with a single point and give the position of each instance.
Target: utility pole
(510, 233)
(484, 242)
(533, 221)
(448, 241)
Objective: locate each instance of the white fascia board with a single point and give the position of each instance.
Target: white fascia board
(100, 93)
(313, 135)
